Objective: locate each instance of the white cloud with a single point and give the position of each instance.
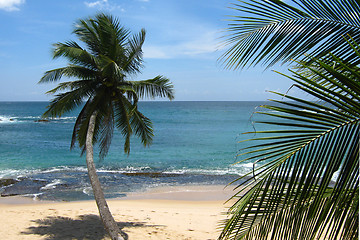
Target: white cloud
(95, 4)
(205, 44)
(11, 5)
(103, 5)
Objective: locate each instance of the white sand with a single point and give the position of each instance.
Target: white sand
(169, 213)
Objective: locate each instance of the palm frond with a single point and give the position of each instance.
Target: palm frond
(306, 181)
(94, 105)
(72, 85)
(82, 117)
(86, 31)
(273, 31)
(66, 102)
(111, 71)
(123, 109)
(152, 88)
(134, 53)
(105, 123)
(142, 127)
(71, 71)
(75, 54)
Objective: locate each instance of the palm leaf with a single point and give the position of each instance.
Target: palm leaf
(71, 71)
(142, 127)
(105, 122)
(134, 53)
(156, 87)
(306, 179)
(75, 54)
(94, 105)
(66, 102)
(82, 117)
(122, 110)
(273, 31)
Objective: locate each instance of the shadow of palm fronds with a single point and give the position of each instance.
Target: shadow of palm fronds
(87, 227)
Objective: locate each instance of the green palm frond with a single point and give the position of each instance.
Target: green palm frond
(123, 110)
(66, 102)
(134, 53)
(102, 35)
(71, 71)
(273, 31)
(72, 85)
(96, 104)
(81, 118)
(75, 54)
(111, 71)
(305, 184)
(142, 127)
(105, 124)
(152, 88)
(85, 30)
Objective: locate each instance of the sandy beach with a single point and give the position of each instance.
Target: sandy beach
(164, 213)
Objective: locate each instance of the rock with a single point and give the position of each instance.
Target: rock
(7, 182)
(42, 120)
(25, 186)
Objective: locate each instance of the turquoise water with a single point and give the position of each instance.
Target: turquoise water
(194, 143)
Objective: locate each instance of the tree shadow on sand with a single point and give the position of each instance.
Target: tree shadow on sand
(87, 227)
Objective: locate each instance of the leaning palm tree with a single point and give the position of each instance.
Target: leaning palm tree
(102, 67)
(272, 31)
(305, 179)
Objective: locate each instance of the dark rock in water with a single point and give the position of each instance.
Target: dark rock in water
(7, 182)
(42, 120)
(151, 174)
(24, 186)
(11, 119)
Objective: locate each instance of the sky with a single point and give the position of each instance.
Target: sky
(183, 43)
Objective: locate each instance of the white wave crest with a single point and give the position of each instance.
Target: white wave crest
(87, 191)
(65, 169)
(230, 171)
(127, 169)
(52, 185)
(7, 119)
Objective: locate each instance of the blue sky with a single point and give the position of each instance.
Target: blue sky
(182, 43)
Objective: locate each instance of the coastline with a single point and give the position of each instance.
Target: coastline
(185, 212)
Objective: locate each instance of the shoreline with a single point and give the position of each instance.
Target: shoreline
(192, 212)
(176, 193)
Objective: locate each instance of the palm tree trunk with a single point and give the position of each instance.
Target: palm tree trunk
(104, 211)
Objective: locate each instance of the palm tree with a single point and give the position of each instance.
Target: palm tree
(272, 31)
(102, 69)
(305, 180)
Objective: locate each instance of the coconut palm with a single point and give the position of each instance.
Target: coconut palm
(272, 31)
(102, 66)
(305, 181)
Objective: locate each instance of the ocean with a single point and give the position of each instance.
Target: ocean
(195, 143)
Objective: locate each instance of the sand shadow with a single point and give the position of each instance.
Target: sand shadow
(87, 227)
